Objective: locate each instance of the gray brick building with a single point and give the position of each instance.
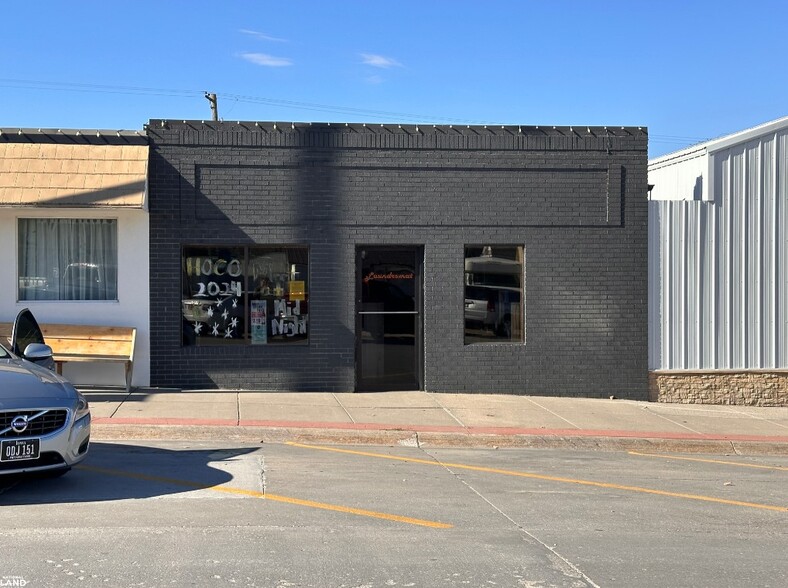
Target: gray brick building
(368, 257)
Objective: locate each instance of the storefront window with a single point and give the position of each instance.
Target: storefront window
(277, 300)
(245, 295)
(493, 294)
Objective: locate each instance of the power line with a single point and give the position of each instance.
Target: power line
(280, 103)
(94, 88)
(351, 110)
(135, 90)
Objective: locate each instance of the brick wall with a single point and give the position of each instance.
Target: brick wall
(575, 200)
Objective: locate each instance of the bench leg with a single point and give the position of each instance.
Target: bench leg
(128, 376)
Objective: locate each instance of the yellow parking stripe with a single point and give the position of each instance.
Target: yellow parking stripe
(549, 478)
(267, 496)
(718, 461)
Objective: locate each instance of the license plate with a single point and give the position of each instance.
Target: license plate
(19, 449)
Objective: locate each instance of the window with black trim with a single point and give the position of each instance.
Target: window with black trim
(245, 295)
(493, 294)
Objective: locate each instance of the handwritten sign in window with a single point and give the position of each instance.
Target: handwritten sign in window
(253, 295)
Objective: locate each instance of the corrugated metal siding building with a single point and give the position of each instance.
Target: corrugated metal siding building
(718, 270)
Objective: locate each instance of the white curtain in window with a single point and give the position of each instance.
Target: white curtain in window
(68, 259)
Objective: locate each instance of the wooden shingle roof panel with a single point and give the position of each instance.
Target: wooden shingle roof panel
(73, 175)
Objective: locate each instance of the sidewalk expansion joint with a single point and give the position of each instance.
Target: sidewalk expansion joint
(342, 406)
(451, 414)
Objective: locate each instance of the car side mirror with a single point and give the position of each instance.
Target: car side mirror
(37, 351)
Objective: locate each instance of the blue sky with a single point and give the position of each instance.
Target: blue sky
(688, 71)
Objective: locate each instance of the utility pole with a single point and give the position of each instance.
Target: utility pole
(214, 105)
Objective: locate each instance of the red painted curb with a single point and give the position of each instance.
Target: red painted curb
(440, 429)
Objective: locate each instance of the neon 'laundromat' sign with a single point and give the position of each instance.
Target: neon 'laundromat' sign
(388, 276)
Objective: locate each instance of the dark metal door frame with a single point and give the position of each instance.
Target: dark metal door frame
(418, 258)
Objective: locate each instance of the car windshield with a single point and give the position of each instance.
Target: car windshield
(3, 353)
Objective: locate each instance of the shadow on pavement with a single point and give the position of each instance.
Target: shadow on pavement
(100, 394)
(104, 394)
(114, 471)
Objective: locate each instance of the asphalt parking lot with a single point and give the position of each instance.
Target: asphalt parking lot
(214, 514)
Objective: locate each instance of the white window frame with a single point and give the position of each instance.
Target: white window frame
(77, 215)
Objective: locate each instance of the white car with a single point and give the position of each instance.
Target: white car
(44, 420)
(491, 307)
(477, 301)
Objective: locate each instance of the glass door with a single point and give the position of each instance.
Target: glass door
(388, 323)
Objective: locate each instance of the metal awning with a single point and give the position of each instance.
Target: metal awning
(65, 170)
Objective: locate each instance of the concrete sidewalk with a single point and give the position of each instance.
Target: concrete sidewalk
(423, 418)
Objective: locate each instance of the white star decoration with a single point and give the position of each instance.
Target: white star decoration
(224, 324)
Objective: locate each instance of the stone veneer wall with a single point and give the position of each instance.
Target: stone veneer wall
(751, 388)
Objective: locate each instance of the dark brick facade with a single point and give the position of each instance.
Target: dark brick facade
(574, 198)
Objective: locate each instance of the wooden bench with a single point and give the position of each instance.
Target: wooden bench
(85, 343)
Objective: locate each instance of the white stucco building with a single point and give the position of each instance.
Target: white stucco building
(74, 234)
(718, 270)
